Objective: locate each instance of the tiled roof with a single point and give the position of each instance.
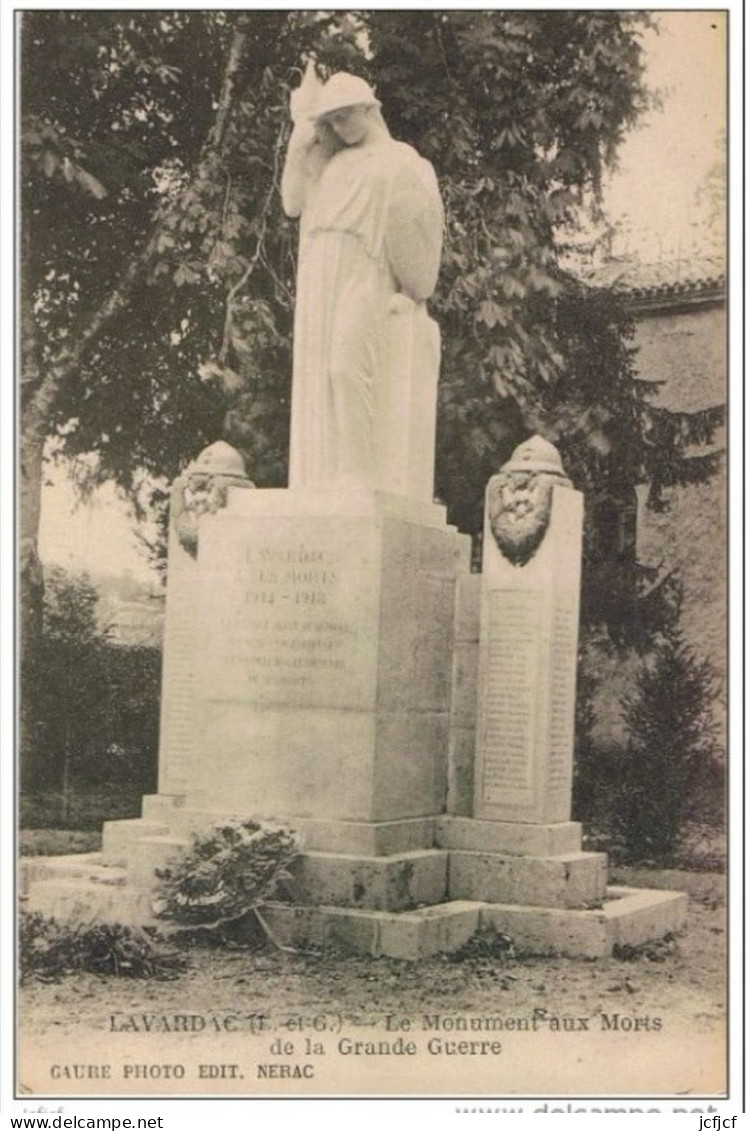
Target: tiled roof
(668, 279)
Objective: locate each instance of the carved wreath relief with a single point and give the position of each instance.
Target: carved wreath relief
(519, 507)
(519, 499)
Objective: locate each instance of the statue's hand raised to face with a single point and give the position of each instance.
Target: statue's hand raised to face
(304, 99)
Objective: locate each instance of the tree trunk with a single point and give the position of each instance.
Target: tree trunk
(31, 592)
(30, 574)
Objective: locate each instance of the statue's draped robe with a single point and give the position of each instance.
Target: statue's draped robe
(371, 227)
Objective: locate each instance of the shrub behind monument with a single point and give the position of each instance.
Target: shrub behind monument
(672, 772)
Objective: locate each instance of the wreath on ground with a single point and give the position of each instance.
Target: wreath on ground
(224, 879)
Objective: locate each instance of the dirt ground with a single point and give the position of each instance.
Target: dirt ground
(685, 977)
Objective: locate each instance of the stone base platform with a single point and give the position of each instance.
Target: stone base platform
(629, 917)
(405, 888)
(179, 817)
(394, 865)
(82, 888)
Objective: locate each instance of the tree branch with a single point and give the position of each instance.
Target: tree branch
(41, 404)
(258, 251)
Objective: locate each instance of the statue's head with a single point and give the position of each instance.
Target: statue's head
(348, 107)
(343, 91)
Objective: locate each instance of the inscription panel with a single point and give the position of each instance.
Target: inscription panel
(290, 618)
(562, 696)
(508, 707)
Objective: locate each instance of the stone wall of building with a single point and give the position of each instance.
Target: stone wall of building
(690, 537)
(684, 348)
(687, 349)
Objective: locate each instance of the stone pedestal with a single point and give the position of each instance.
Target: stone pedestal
(179, 719)
(508, 834)
(201, 490)
(462, 735)
(314, 640)
(521, 848)
(324, 634)
(527, 666)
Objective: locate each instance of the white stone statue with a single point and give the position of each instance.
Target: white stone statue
(365, 352)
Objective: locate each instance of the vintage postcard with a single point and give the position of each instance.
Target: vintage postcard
(372, 535)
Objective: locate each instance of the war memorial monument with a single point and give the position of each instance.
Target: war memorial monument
(332, 664)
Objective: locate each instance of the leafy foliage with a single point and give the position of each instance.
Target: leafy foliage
(226, 874)
(586, 779)
(657, 950)
(50, 950)
(671, 769)
(127, 719)
(485, 943)
(82, 808)
(63, 690)
(94, 705)
(70, 616)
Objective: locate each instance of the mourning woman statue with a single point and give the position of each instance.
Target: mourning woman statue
(370, 244)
